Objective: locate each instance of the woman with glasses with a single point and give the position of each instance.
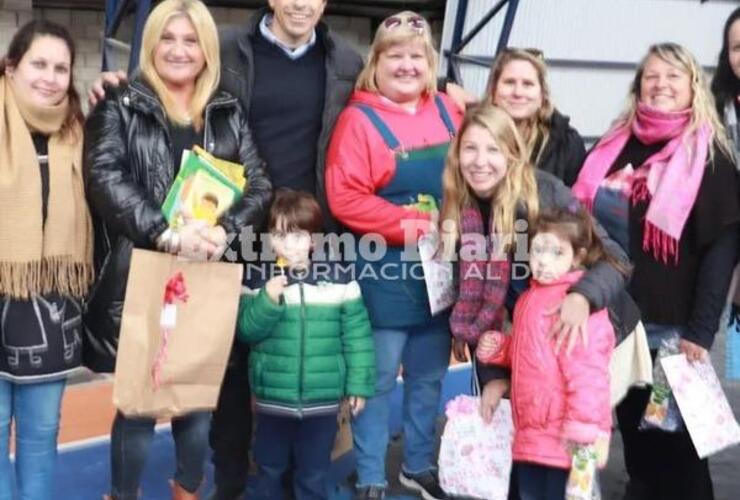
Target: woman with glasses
(518, 83)
(662, 182)
(384, 178)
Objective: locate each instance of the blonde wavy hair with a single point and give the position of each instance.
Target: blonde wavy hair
(703, 108)
(518, 188)
(207, 81)
(536, 131)
(387, 37)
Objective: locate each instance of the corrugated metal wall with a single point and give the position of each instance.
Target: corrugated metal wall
(576, 33)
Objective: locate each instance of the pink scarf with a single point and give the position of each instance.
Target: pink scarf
(674, 173)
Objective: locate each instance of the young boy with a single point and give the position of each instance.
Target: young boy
(310, 346)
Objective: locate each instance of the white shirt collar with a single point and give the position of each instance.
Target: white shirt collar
(292, 52)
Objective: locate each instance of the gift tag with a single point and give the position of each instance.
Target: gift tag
(168, 318)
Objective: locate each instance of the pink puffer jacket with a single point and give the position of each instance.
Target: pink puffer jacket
(555, 397)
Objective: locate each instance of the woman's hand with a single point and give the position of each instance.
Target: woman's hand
(193, 244)
(493, 391)
(693, 352)
(459, 350)
(574, 312)
(356, 405)
(216, 236)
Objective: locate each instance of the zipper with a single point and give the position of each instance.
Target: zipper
(207, 121)
(302, 349)
(160, 116)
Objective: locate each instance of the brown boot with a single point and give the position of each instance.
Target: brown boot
(179, 493)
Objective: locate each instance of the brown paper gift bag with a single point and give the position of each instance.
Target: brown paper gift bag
(190, 365)
(343, 439)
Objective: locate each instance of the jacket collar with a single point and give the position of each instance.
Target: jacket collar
(142, 97)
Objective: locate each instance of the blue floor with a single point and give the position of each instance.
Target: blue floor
(84, 472)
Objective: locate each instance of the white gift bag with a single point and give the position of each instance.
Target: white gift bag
(704, 407)
(438, 274)
(475, 457)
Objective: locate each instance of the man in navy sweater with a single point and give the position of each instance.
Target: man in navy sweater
(293, 77)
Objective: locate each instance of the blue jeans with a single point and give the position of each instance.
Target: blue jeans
(35, 409)
(282, 441)
(539, 482)
(424, 351)
(129, 447)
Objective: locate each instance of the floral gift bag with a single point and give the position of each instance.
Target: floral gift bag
(475, 457)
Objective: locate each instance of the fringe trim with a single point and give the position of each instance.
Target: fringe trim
(640, 191)
(662, 246)
(63, 275)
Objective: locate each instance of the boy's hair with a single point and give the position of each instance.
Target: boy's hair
(576, 226)
(298, 210)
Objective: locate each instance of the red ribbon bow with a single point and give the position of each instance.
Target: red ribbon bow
(175, 291)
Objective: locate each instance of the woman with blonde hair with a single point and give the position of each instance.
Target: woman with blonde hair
(136, 138)
(491, 190)
(46, 243)
(662, 182)
(517, 83)
(384, 168)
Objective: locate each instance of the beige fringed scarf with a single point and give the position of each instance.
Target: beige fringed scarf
(38, 258)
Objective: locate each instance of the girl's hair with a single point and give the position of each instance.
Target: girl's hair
(725, 84)
(536, 132)
(20, 44)
(576, 226)
(703, 109)
(399, 29)
(517, 189)
(207, 82)
(297, 210)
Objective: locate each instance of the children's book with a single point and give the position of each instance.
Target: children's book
(205, 187)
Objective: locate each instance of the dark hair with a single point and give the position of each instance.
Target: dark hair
(23, 40)
(299, 210)
(725, 83)
(576, 226)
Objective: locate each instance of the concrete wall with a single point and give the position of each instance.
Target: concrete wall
(13, 13)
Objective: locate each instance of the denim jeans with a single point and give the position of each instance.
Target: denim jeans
(35, 409)
(424, 352)
(129, 447)
(539, 482)
(282, 441)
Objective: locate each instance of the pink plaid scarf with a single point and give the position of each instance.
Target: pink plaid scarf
(674, 173)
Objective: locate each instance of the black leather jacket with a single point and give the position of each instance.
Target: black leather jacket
(129, 168)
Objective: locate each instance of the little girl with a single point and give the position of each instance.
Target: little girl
(559, 400)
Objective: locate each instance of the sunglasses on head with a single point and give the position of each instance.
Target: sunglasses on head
(416, 23)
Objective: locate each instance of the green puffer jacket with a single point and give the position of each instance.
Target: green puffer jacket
(309, 351)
